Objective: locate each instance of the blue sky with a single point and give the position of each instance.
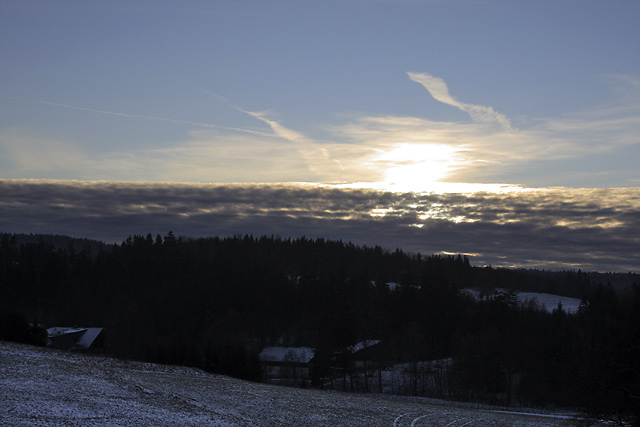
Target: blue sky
(424, 96)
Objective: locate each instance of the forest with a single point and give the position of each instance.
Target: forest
(213, 303)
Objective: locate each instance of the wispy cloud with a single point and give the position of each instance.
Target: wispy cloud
(145, 117)
(205, 156)
(277, 128)
(325, 161)
(440, 92)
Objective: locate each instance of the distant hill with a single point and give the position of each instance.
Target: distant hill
(564, 283)
(61, 242)
(619, 281)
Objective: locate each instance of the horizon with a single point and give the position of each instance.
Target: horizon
(122, 241)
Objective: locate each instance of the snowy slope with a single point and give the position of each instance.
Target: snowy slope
(547, 301)
(550, 301)
(40, 387)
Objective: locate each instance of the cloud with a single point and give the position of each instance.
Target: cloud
(399, 152)
(31, 152)
(205, 156)
(214, 157)
(591, 229)
(440, 92)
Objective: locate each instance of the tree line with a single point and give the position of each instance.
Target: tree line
(215, 302)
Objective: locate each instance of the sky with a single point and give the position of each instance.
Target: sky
(508, 131)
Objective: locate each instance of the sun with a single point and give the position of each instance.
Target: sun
(416, 167)
(421, 168)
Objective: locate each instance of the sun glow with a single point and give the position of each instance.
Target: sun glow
(410, 167)
(421, 168)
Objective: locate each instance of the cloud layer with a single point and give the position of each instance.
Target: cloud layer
(591, 229)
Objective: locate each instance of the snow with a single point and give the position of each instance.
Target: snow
(44, 387)
(392, 285)
(362, 345)
(58, 330)
(548, 302)
(533, 414)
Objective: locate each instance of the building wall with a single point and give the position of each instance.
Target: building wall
(66, 341)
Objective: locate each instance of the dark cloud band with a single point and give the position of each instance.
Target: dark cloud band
(591, 229)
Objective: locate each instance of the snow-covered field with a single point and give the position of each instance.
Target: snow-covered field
(547, 301)
(42, 387)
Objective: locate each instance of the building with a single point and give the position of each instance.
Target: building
(288, 365)
(76, 339)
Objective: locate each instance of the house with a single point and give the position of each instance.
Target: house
(76, 339)
(289, 365)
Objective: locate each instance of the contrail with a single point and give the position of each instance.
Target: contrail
(144, 117)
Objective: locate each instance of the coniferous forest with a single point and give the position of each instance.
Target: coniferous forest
(213, 303)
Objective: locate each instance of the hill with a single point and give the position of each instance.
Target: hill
(42, 387)
(215, 303)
